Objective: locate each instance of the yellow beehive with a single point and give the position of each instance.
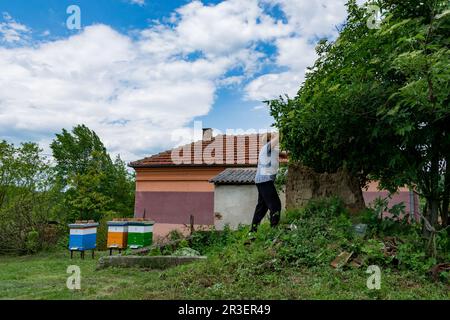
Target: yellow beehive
(117, 234)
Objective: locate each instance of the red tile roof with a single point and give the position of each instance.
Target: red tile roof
(232, 151)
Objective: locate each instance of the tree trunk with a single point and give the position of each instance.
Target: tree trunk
(433, 196)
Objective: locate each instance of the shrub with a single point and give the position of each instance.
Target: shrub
(32, 241)
(314, 234)
(379, 223)
(175, 235)
(205, 241)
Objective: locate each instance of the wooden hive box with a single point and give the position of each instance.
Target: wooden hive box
(140, 234)
(117, 234)
(83, 236)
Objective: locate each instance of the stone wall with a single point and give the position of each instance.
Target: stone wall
(304, 184)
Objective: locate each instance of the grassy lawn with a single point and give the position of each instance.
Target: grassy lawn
(288, 262)
(43, 276)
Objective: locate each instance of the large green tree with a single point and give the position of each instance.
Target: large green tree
(376, 101)
(94, 185)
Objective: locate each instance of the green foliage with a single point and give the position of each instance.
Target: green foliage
(280, 181)
(385, 220)
(76, 152)
(238, 270)
(84, 184)
(316, 233)
(155, 251)
(94, 186)
(175, 235)
(207, 241)
(376, 102)
(313, 237)
(183, 244)
(372, 250)
(32, 241)
(27, 197)
(186, 252)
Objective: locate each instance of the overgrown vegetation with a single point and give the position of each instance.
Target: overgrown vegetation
(314, 236)
(27, 199)
(376, 102)
(289, 262)
(38, 199)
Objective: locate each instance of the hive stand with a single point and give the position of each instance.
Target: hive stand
(82, 253)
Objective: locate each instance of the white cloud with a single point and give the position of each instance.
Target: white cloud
(311, 20)
(138, 2)
(136, 92)
(11, 31)
(259, 107)
(100, 78)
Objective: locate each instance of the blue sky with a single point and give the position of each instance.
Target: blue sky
(140, 72)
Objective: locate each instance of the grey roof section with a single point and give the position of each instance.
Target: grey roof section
(235, 176)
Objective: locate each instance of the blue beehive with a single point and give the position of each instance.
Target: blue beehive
(83, 236)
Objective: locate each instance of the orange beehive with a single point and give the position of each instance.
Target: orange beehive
(117, 234)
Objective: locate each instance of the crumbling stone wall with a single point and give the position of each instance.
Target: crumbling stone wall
(304, 184)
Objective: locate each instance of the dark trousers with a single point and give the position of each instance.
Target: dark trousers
(267, 200)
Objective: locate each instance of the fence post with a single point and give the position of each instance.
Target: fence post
(192, 223)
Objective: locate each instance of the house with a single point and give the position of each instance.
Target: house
(174, 185)
(211, 181)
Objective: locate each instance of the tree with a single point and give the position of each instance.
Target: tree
(27, 197)
(377, 102)
(93, 184)
(76, 151)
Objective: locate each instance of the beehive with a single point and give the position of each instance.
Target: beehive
(140, 234)
(83, 236)
(117, 234)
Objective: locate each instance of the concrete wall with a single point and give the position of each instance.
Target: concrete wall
(235, 204)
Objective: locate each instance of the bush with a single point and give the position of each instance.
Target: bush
(32, 241)
(175, 235)
(206, 241)
(315, 233)
(27, 198)
(381, 224)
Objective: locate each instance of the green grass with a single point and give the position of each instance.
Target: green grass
(288, 262)
(44, 276)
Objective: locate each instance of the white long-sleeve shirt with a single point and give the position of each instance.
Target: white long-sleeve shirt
(268, 163)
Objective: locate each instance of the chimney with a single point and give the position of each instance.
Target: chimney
(207, 134)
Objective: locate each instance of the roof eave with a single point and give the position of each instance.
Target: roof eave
(233, 183)
(143, 166)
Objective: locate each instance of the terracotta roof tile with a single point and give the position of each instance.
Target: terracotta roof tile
(221, 150)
